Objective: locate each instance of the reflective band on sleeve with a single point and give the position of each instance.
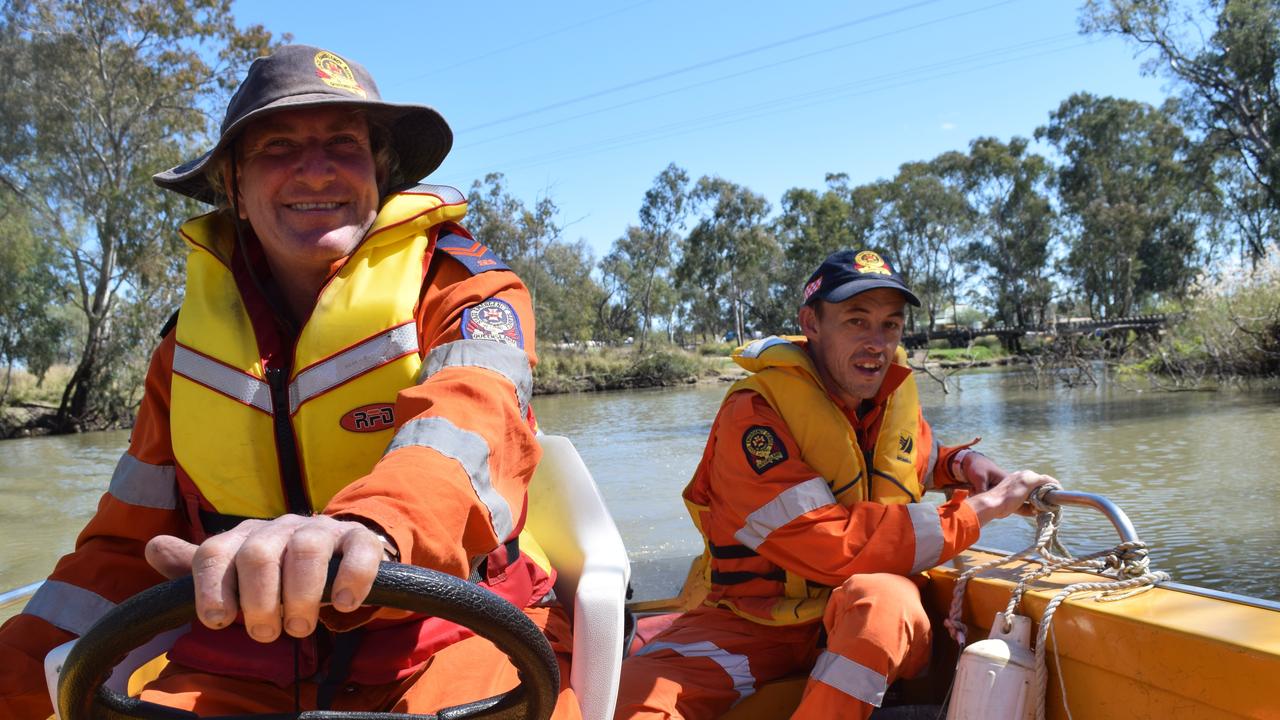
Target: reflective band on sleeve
(737, 667)
(787, 506)
(143, 484)
(929, 541)
(509, 362)
(449, 195)
(755, 347)
(472, 453)
(850, 678)
(222, 378)
(353, 362)
(68, 606)
(933, 463)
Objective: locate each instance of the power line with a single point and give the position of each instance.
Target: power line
(732, 75)
(529, 41)
(858, 88)
(700, 65)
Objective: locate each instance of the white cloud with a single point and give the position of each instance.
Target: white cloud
(948, 126)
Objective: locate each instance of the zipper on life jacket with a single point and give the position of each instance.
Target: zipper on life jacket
(286, 443)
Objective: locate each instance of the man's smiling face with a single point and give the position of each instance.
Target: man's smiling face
(852, 342)
(308, 185)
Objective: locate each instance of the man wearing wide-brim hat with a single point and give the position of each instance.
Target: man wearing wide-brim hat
(349, 375)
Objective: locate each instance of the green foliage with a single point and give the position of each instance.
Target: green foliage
(1227, 76)
(991, 342)
(567, 301)
(725, 273)
(939, 344)
(976, 354)
(1132, 201)
(98, 96)
(1007, 188)
(1232, 330)
(613, 368)
(716, 349)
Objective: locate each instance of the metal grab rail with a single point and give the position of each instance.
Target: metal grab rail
(1100, 503)
(17, 595)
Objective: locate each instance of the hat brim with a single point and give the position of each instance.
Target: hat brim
(861, 285)
(419, 135)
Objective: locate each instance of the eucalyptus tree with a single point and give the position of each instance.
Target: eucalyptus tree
(641, 260)
(1226, 56)
(926, 221)
(1132, 204)
(31, 329)
(97, 95)
(1007, 187)
(729, 254)
(528, 238)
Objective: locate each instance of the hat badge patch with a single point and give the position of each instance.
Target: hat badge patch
(869, 262)
(334, 72)
(812, 288)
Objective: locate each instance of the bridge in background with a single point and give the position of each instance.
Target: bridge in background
(1011, 337)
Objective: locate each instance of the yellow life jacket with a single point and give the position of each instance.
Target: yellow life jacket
(358, 349)
(784, 375)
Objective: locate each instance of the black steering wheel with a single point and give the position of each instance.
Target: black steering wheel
(81, 694)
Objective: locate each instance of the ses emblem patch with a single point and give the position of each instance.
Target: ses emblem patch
(494, 320)
(763, 448)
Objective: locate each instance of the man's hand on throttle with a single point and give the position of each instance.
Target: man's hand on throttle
(273, 569)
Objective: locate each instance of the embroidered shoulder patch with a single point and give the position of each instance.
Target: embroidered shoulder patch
(495, 320)
(763, 448)
(475, 257)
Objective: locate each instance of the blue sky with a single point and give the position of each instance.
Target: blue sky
(588, 101)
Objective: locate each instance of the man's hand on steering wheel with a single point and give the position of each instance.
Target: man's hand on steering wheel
(273, 569)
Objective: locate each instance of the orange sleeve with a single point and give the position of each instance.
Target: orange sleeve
(107, 565)
(452, 484)
(784, 510)
(944, 472)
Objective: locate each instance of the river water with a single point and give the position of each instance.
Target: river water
(1198, 473)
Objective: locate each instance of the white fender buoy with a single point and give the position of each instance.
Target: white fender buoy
(995, 677)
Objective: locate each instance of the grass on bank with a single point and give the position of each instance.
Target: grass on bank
(577, 368)
(27, 389)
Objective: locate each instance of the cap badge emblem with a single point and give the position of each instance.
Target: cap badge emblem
(869, 262)
(334, 72)
(812, 288)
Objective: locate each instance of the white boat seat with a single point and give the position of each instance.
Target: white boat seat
(568, 518)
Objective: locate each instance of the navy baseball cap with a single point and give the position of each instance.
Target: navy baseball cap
(849, 272)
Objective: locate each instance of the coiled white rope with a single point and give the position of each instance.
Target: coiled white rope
(1126, 564)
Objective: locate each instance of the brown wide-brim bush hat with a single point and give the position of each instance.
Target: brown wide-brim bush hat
(301, 76)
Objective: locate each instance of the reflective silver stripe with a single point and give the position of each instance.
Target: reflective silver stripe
(354, 361)
(509, 362)
(928, 528)
(737, 667)
(450, 196)
(850, 678)
(472, 453)
(67, 606)
(144, 484)
(755, 347)
(222, 378)
(933, 463)
(787, 506)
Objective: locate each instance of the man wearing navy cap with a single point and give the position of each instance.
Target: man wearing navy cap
(809, 498)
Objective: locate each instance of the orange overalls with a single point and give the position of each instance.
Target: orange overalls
(442, 510)
(787, 548)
